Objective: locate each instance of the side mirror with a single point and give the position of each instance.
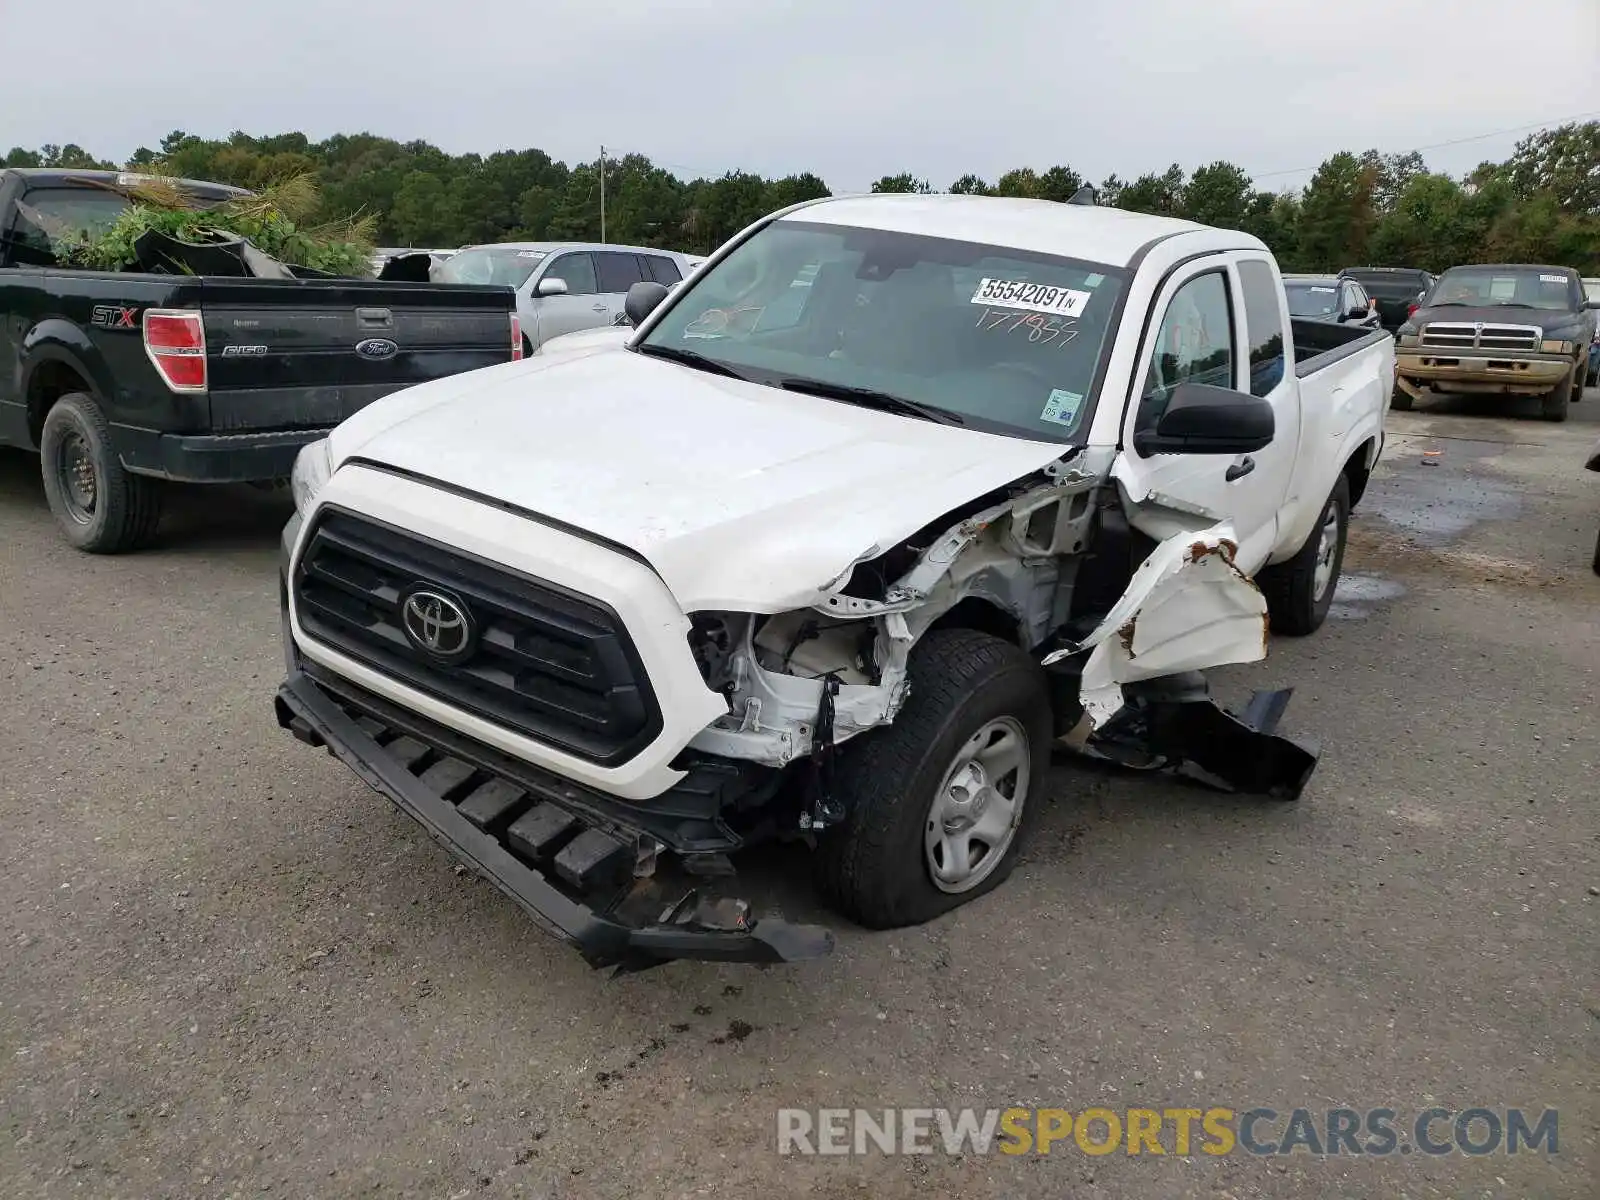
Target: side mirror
(642, 300)
(1592, 304)
(1201, 419)
(1356, 314)
(551, 287)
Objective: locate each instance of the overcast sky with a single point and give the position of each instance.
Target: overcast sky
(850, 90)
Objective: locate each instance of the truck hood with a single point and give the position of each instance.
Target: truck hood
(741, 496)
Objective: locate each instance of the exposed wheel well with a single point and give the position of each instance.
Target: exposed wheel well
(980, 615)
(50, 382)
(1358, 472)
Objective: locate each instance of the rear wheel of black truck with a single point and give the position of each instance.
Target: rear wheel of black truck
(101, 507)
(939, 803)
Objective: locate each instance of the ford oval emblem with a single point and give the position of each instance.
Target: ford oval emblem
(377, 348)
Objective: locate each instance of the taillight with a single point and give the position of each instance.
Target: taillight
(516, 338)
(175, 341)
(1411, 310)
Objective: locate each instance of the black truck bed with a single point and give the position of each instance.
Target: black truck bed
(207, 379)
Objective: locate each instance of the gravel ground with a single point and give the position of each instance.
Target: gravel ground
(230, 969)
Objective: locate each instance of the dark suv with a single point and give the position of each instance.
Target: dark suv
(1396, 289)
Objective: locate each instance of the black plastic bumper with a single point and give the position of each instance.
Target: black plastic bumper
(212, 458)
(518, 856)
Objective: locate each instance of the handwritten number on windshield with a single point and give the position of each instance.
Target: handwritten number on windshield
(1040, 328)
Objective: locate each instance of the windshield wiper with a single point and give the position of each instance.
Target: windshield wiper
(1510, 304)
(871, 398)
(1448, 304)
(690, 358)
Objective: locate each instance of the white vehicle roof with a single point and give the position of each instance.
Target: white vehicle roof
(1090, 232)
(552, 247)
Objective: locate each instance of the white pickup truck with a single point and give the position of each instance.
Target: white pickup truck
(890, 497)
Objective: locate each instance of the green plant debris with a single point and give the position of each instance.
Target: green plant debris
(279, 220)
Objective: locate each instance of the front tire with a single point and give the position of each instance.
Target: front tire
(1400, 401)
(1300, 591)
(939, 803)
(101, 507)
(1553, 406)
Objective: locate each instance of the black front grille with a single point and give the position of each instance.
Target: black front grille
(547, 663)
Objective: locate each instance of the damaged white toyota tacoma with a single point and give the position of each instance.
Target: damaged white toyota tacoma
(892, 496)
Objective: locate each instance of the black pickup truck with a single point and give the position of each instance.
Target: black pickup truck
(123, 380)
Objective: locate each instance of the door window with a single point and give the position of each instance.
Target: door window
(663, 270)
(1263, 325)
(1194, 344)
(578, 272)
(617, 272)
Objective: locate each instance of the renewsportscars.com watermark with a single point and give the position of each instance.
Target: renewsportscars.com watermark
(1373, 1132)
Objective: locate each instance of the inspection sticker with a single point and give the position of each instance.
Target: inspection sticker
(1031, 297)
(1062, 407)
(1552, 279)
(530, 253)
(1328, 290)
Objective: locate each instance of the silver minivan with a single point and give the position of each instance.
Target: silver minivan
(563, 287)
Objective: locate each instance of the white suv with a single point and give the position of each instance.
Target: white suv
(563, 287)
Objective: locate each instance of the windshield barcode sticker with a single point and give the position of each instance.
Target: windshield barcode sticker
(1032, 297)
(1552, 279)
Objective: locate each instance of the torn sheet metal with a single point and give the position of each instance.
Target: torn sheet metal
(1187, 608)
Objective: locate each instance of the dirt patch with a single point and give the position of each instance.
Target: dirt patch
(1387, 552)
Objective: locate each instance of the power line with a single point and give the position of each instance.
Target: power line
(1478, 137)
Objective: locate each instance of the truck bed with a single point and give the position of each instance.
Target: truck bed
(1320, 344)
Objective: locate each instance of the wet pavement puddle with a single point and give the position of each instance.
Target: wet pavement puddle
(1434, 495)
(1358, 596)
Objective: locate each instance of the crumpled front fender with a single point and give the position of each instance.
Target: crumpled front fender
(1188, 608)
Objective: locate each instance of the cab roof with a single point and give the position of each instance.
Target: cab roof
(1091, 232)
(37, 177)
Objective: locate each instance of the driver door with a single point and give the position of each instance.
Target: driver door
(1207, 327)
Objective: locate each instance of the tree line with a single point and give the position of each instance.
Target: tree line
(1542, 204)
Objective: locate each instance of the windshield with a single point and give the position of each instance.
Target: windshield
(1004, 339)
(1490, 287)
(505, 266)
(1312, 299)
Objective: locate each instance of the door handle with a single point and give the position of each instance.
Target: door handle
(1240, 469)
(602, 308)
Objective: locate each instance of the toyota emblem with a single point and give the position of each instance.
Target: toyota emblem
(437, 624)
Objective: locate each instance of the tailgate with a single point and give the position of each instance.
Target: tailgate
(307, 353)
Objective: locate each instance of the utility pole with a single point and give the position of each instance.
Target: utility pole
(602, 193)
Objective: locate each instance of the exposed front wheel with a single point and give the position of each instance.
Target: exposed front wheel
(1300, 591)
(100, 506)
(939, 803)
